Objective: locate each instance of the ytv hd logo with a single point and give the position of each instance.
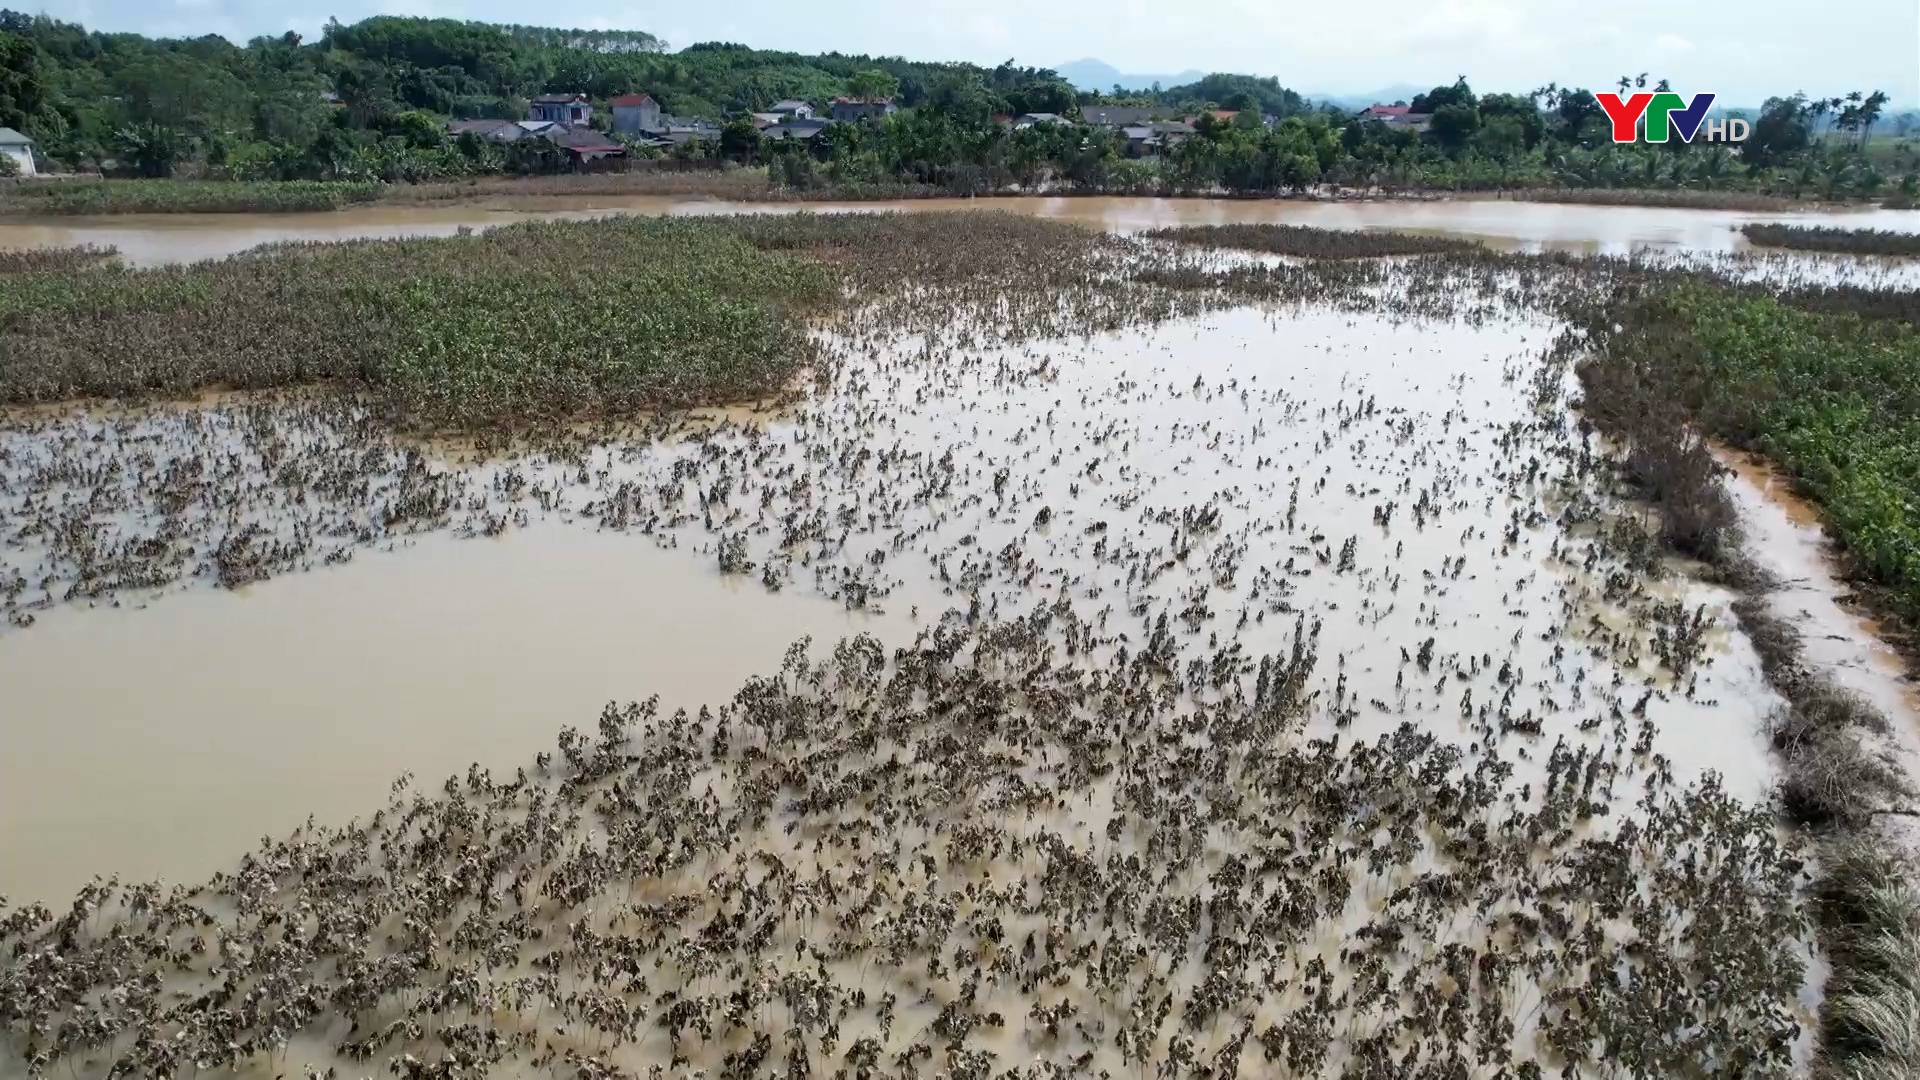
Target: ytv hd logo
(1666, 111)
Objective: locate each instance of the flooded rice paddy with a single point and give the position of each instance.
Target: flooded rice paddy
(1195, 489)
(1276, 688)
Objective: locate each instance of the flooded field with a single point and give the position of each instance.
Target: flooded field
(147, 240)
(1275, 686)
(1233, 474)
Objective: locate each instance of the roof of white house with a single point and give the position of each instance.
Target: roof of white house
(10, 137)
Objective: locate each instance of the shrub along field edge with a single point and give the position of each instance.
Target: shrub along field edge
(1818, 392)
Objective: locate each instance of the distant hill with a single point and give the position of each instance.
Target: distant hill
(1091, 74)
(1384, 96)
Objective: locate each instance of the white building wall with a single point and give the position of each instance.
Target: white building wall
(23, 156)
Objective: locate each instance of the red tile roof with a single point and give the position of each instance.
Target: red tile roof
(631, 99)
(1388, 110)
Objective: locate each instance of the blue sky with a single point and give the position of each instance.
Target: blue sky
(1741, 50)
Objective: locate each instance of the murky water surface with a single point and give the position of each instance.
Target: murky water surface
(1508, 224)
(1204, 487)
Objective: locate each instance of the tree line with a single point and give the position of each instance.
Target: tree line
(370, 100)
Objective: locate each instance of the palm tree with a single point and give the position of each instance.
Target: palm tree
(1869, 113)
(1715, 164)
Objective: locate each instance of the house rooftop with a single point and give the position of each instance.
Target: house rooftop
(790, 104)
(625, 100)
(1119, 115)
(862, 101)
(1388, 110)
(10, 137)
(558, 99)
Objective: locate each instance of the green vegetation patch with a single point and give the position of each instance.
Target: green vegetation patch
(1831, 396)
(527, 323)
(1307, 242)
(186, 196)
(1827, 238)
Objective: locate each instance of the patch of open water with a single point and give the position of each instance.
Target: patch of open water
(153, 239)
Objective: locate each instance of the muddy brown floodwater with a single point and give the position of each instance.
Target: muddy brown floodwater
(1512, 224)
(1240, 461)
(209, 718)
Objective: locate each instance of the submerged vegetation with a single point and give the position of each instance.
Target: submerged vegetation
(1310, 243)
(36, 260)
(1333, 739)
(1825, 238)
(509, 326)
(1828, 395)
(184, 196)
(1676, 197)
(863, 863)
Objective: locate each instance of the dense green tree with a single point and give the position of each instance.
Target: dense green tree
(873, 84)
(370, 100)
(1048, 95)
(1442, 96)
(21, 95)
(1783, 129)
(740, 140)
(1454, 125)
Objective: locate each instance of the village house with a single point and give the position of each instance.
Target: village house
(675, 131)
(792, 109)
(1396, 116)
(765, 120)
(582, 144)
(1120, 116)
(585, 145)
(19, 148)
(497, 131)
(847, 110)
(802, 128)
(1147, 140)
(1032, 119)
(635, 113)
(570, 110)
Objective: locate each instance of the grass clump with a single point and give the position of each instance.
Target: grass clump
(1828, 238)
(528, 323)
(1677, 198)
(1870, 912)
(38, 260)
(1308, 242)
(187, 196)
